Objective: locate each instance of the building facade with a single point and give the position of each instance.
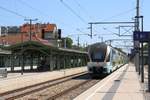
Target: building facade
(46, 33)
(4, 30)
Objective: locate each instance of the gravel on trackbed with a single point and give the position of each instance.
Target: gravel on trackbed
(51, 91)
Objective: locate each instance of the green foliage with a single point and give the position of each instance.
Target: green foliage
(69, 42)
(80, 48)
(145, 47)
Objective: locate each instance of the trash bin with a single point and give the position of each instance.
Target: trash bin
(3, 72)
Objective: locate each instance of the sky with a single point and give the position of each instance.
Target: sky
(73, 16)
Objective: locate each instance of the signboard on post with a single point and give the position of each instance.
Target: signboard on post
(141, 36)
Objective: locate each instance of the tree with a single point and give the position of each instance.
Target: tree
(80, 48)
(145, 47)
(68, 41)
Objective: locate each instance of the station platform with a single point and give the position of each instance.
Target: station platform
(123, 84)
(16, 80)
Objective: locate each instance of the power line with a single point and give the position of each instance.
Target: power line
(78, 4)
(44, 14)
(110, 31)
(142, 4)
(69, 8)
(117, 15)
(13, 12)
(37, 10)
(83, 9)
(33, 8)
(85, 12)
(120, 14)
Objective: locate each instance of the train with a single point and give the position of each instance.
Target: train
(104, 59)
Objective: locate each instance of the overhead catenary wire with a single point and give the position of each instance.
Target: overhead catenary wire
(141, 7)
(74, 12)
(30, 6)
(142, 3)
(33, 8)
(85, 12)
(39, 11)
(127, 30)
(117, 15)
(12, 12)
(42, 13)
(83, 9)
(120, 14)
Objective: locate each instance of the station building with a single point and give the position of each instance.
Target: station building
(42, 51)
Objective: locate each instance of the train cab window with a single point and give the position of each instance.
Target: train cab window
(108, 58)
(98, 56)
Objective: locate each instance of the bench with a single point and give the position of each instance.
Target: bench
(3, 72)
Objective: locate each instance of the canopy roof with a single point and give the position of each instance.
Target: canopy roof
(39, 47)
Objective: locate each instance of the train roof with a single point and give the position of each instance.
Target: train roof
(96, 46)
(99, 44)
(104, 46)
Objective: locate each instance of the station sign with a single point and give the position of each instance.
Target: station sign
(133, 51)
(141, 36)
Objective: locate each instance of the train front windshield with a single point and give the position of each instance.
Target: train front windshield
(98, 56)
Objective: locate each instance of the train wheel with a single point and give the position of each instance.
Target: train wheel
(110, 71)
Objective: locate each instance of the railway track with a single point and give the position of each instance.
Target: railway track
(64, 91)
(29, 90)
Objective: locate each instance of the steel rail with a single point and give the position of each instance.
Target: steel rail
(17, 93)
(67, 91)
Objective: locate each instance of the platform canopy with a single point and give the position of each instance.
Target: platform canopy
(38, 47)
(31, 46)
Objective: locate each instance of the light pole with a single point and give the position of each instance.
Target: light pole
(65, 44)
(30, 38)
(142, 64)
(31, 20)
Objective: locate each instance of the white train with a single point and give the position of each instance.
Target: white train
(104, 59)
